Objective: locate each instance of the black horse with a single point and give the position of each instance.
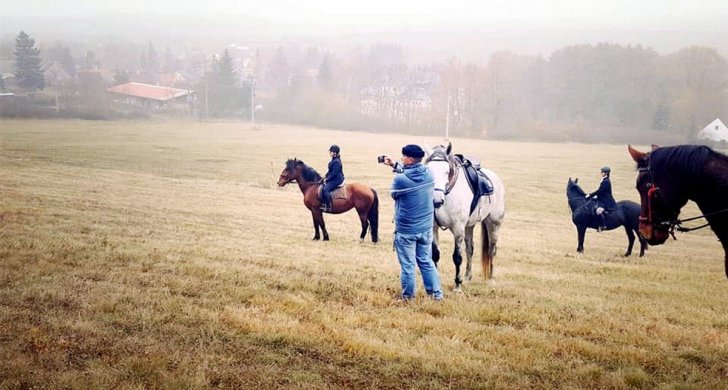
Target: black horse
(669, 177)
(627, 214)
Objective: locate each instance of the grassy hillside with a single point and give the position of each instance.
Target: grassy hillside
(163, 255)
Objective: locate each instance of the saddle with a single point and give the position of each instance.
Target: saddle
(337, 193)
(478, 181)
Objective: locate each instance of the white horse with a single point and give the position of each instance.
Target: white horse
(452, 198)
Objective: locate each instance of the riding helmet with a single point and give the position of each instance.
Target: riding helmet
(335, 149)
(606, 170)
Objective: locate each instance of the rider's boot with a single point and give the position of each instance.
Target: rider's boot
(602, 223)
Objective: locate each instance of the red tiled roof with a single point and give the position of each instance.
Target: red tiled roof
(148, 91)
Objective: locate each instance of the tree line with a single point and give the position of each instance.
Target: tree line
(602, 92)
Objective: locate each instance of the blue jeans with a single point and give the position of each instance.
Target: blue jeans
(417, 248)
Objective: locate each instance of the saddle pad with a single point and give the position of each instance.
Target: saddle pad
(339, 193)
(336, 193)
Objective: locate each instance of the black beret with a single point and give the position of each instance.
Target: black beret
(412, 150)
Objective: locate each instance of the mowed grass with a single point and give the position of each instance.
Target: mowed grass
(163, 255)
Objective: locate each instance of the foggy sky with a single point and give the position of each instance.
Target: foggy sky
(445, 27)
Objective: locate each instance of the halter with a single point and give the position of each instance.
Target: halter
(675, 223)
(288, 179)
(439, 155)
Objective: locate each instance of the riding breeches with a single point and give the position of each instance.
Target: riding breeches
(326, 192)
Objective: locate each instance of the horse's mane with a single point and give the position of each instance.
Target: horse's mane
(308, 173)
(686, 160)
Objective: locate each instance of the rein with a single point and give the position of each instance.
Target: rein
(676, 223)
(440, 156)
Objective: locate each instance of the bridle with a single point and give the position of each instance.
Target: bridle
(438, 155)
(288, 179)
(674, 223)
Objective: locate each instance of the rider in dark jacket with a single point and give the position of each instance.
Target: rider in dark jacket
(334, 178)
(604, 198)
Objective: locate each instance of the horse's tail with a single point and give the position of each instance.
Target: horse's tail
(486, 255)
(373, 217)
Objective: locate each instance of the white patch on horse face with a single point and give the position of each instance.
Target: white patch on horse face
(440, 171)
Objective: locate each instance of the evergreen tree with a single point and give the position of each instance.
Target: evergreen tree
(152, 60)
(90, 61)
(324, 77)
(121, 76)
(170, 62)
(226, 95)
(225, 73)
(27, 63)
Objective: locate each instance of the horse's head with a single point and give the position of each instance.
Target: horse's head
(442, 166)
(574, 194)
(656, 198)
(572, 188)
(291, 172)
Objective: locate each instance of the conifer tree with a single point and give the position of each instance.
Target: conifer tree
(27, 63)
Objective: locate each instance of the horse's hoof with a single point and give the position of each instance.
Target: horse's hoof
(326, 238)
(458, 289)
(316, 238)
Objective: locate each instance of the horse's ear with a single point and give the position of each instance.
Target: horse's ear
(654, 146)
(576, 180)
(449, 147)
(637, 156)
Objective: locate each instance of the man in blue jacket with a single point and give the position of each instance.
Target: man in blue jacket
(334, 178)
(412, 190)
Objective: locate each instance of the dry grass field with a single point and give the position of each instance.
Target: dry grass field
(163, 255)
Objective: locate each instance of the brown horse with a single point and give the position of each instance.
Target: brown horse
(359, 196)
(669, 177)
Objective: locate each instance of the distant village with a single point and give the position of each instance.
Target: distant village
(592, 93)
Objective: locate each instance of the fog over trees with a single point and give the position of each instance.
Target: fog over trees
(575, 89)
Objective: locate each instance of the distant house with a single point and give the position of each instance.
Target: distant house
(8, 79)
(715, 131)
(148, 95)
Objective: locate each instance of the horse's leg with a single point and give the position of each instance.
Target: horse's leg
(469, 252)
(318, 217)
(457, 259)
(363, 217)
(643, 242)
(316, 235)
(580, 232)
(630, 237)
(435, 244)
(323, 227)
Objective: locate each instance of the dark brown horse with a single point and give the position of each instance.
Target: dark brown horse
(359, 196)
(669, 177)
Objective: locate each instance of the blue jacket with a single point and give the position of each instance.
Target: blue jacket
(604, 195)
(412, 190)
(335, 175)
